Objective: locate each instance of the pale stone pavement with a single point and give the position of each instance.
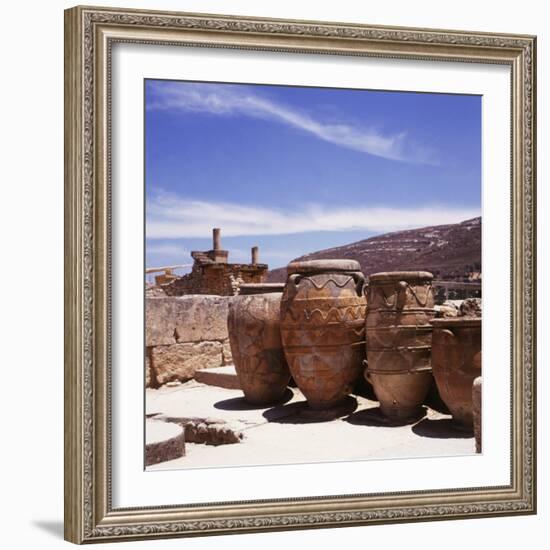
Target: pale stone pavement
(291, 433)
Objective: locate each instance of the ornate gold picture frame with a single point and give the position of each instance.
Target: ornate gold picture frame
(90, 34)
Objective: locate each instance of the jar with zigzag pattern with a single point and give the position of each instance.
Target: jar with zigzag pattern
(323, 328)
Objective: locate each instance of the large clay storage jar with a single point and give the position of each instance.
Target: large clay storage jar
(399, 339)
(323, 328)
(456, 361)
(255, 337)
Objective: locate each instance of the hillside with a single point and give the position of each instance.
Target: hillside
(450, 252)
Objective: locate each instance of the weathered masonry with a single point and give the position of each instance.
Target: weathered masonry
(212, 274)
(184, 334)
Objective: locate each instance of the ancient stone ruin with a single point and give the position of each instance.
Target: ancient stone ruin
(230, 359)
(184, 334)
(213, 274)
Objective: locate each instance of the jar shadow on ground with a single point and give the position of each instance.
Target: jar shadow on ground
(301, 413)
(440, 428)
(375, 418)
(241, 404)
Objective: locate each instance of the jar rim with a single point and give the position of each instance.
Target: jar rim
(456, 322)
(401, 276)
(247, 289)
(317, 266)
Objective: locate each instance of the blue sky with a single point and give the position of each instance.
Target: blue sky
(296, 169)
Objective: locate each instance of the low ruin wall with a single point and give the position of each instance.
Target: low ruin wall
(187, 333)
(184, 334)
(216, 279)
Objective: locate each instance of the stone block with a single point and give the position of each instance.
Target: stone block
(194, 318)
(446, 311)
(471, 307)
(163, 441)
(147, 369)
(212, 432)
(227, 358)
(180, 361)
(223, 377)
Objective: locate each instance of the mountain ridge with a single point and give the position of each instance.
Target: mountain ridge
(451, 252)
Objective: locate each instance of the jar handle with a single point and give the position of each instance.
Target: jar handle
(292, 279)
(443, 346)
(291, 287)
(401, 294)
(359, 280)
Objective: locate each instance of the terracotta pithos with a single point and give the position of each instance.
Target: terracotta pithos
(254, 335)
(323, 328)
(476, 400)
(456, 361)
(249, 289)
(399, 337)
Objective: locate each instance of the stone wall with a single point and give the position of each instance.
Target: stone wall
(183, 334)
(221, 279)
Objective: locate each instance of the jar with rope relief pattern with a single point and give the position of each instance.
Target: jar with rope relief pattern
(255, 339)
(398, 339)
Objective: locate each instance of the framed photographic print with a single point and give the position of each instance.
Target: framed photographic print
(300, 282)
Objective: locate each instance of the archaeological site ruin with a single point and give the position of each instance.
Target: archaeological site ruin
(212, 273)
(329, 359)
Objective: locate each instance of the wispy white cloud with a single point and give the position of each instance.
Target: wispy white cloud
(236, 100)
(166, 249)
(173, 217)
